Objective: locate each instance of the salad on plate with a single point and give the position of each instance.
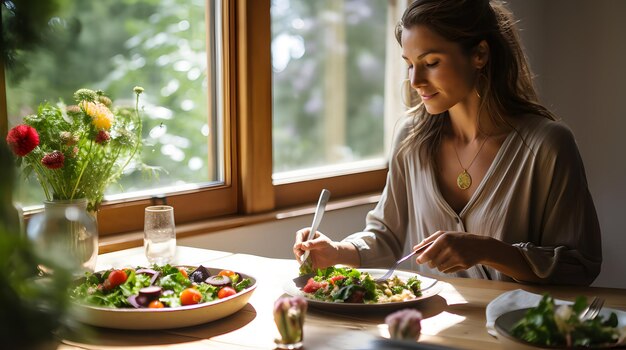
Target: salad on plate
(349, 285)
(156, 287)
(560, 326)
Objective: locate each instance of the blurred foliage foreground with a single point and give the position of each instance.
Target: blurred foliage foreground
(35, 311)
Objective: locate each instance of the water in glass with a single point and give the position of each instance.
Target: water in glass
(159, 234)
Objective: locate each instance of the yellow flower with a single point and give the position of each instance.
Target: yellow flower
(101, 116)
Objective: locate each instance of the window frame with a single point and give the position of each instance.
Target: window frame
(192, 205)
(290, 193)
(248, 188)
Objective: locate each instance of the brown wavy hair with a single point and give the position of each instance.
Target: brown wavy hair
(505, 82)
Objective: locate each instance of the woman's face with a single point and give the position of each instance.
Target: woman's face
(441, 73)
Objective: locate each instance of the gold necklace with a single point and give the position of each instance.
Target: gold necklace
(464, 180)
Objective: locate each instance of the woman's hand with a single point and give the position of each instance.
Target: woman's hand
(323, 252)
(454, 251)
(457, 251)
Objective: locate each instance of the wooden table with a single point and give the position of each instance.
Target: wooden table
(454, 318)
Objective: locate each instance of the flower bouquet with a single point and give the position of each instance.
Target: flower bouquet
(76, 151)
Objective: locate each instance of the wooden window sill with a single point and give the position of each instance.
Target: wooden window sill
(114, 242)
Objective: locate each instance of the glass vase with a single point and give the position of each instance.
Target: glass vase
(66, 233)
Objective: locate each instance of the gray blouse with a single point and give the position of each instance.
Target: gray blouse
(534, 196)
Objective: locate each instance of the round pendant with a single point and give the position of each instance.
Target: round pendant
(464, 180)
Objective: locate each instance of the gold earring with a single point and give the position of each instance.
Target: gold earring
(481, 75)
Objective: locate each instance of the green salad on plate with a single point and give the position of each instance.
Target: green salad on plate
(549, 324)
(349, 285)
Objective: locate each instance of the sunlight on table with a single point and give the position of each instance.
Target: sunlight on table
(453, 296)
(436, 324)
(430, 326)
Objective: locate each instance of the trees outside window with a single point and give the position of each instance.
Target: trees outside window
(309, 79)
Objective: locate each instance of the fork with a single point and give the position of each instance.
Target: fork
(317, 218)
(592, 310)
(403, 259)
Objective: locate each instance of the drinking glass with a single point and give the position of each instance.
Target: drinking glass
(159, 234)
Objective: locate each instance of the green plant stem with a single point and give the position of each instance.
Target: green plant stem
(58, 178)
(138, 141)
(41, 175)
(53, 181)
(107, 173)
(41, 178)
(80, 176)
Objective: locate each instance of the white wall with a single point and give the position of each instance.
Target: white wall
(577, 48)
(275, 239)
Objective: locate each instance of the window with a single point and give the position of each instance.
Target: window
(207, 66)
(159, 45)
(332, 62)
(328, 61)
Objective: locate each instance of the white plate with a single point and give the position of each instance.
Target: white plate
(165, 318)
(429, 286)
(505, 322)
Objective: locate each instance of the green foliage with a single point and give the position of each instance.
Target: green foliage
(25, 24)
(32, 307)
(35, 309)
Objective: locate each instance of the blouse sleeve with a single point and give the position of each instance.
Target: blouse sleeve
(382, 240)
(568, 249)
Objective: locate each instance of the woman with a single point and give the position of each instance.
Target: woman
(479, 168)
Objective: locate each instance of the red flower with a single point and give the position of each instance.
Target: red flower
(102, 137)
(53, 160)
(22, 139)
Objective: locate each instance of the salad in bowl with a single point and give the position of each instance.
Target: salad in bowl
(160, 297)
(157, 287)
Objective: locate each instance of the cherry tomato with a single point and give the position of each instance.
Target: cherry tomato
(183, 272)
(334, 279)
(226, 273)
(226, 292)
(116, 277)
(190, 296)
(312, 285)
(155, 304)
